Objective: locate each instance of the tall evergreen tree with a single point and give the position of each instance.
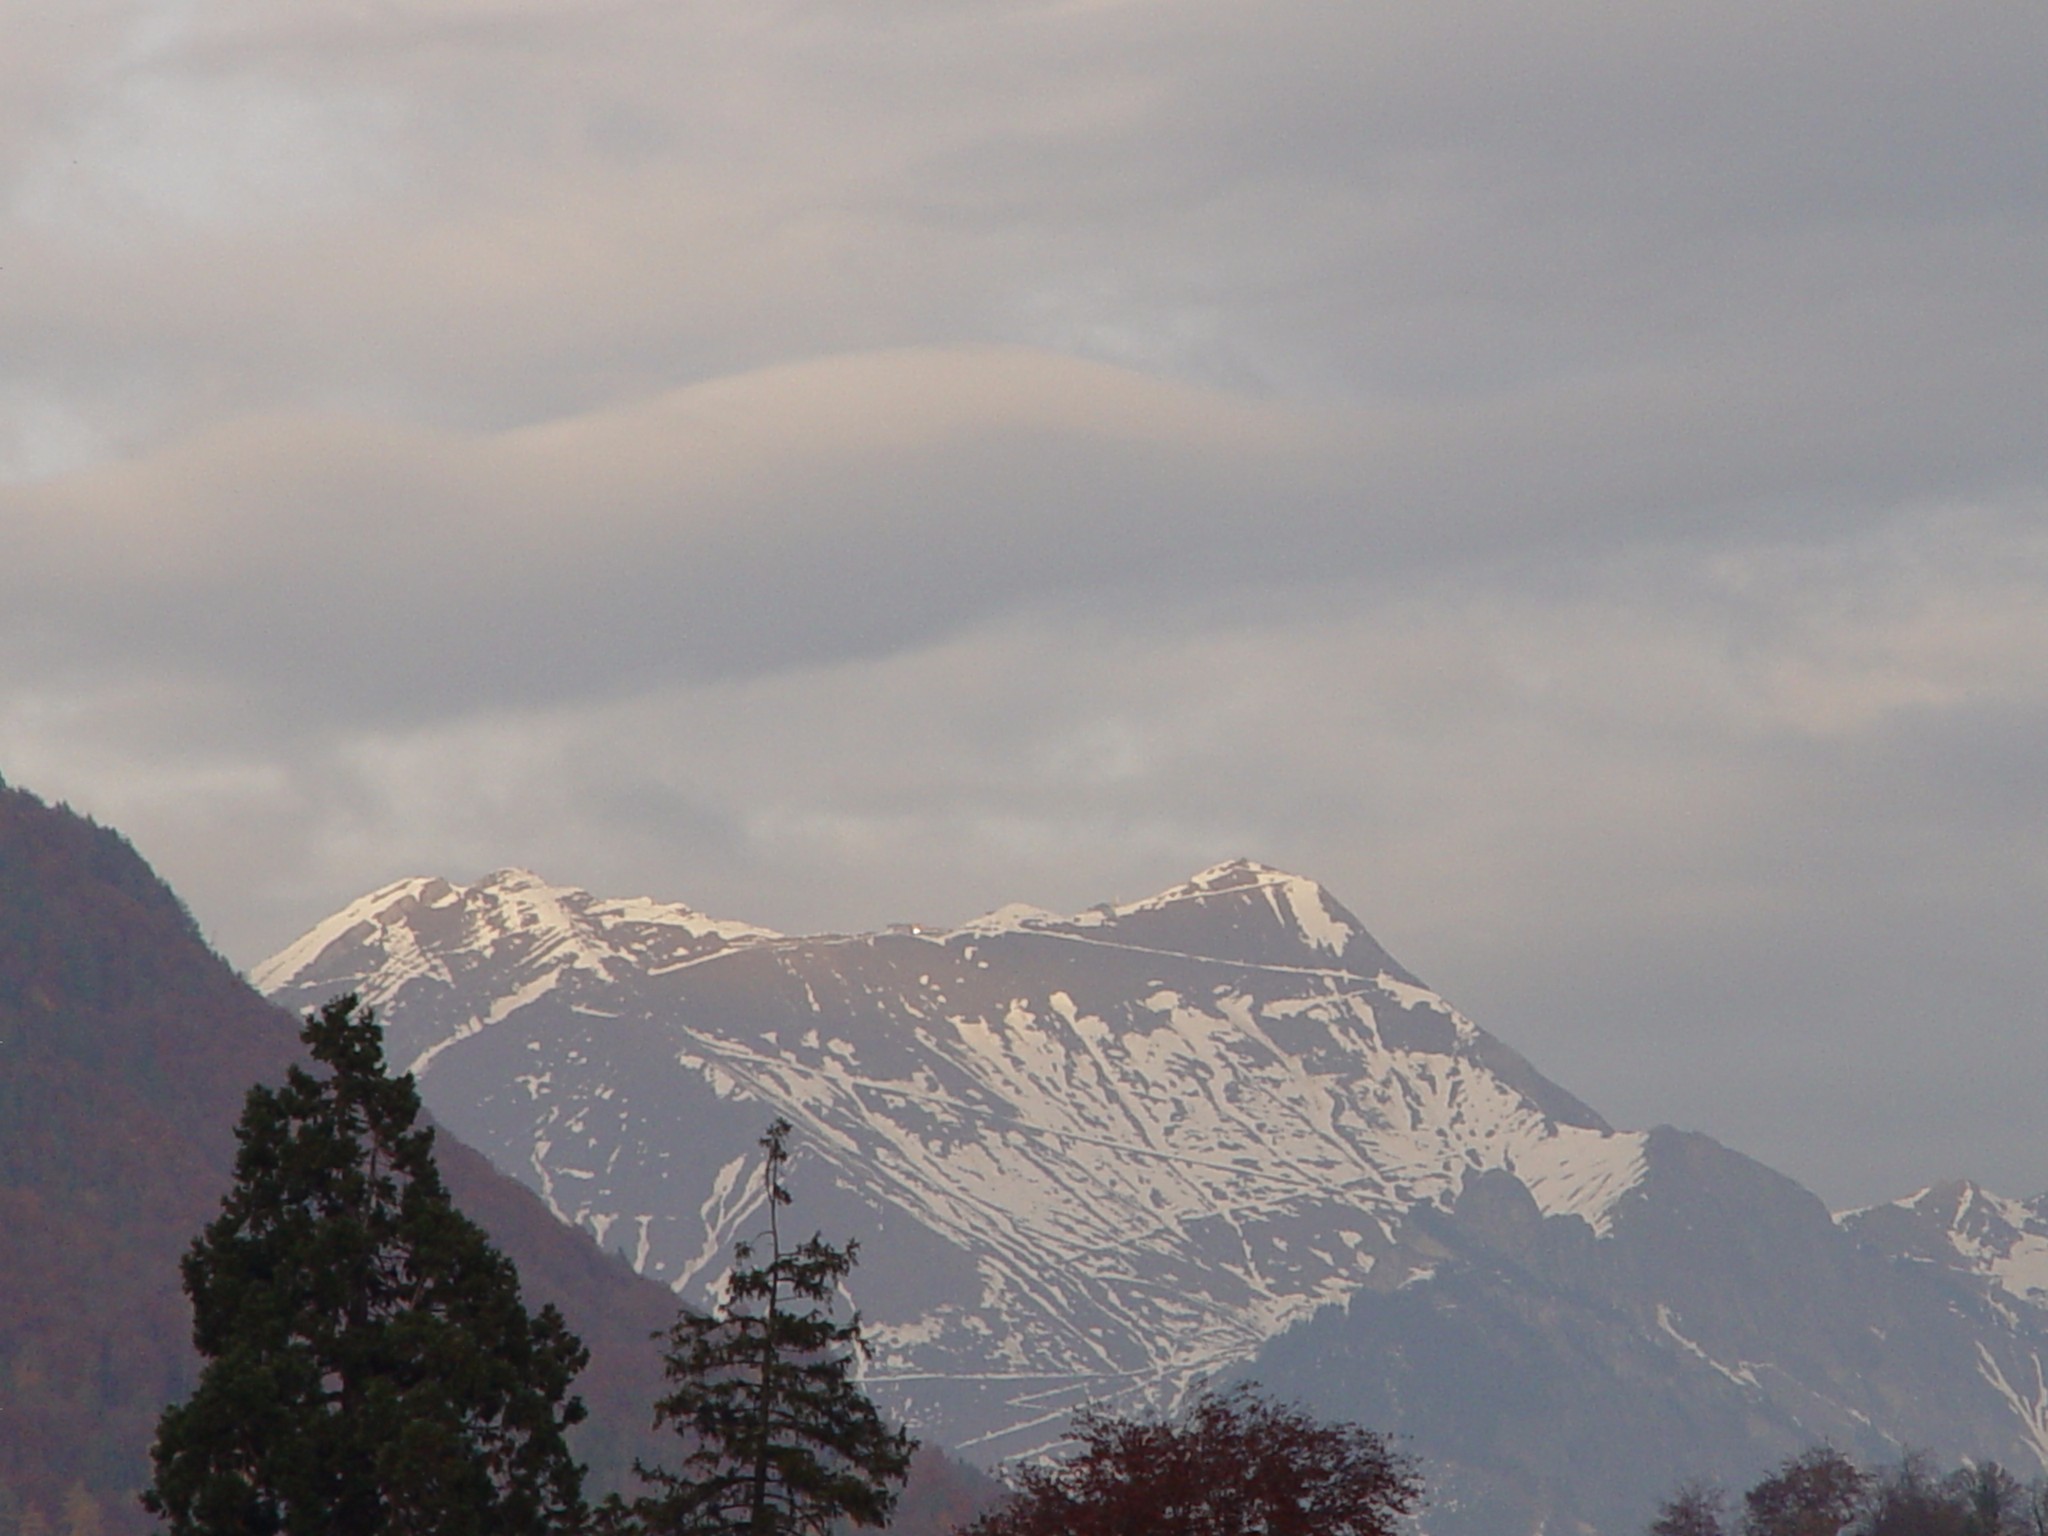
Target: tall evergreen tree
(370, 1368)
(785, 1441)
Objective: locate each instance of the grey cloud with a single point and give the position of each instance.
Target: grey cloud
(1568, 476)
(839, 508)
(1370, 196)
(862, 505)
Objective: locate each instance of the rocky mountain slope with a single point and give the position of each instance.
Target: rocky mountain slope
(126, 1047)
(1097, 1158)
(1724, 1319)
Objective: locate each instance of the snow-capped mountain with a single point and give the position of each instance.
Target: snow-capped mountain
(1095, 1158)
(2000, 1242)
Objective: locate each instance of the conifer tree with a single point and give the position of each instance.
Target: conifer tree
(370, 1368)
(784, 1440)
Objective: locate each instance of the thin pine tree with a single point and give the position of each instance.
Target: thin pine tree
(766, 1392)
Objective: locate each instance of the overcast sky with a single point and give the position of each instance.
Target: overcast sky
(1570, 476)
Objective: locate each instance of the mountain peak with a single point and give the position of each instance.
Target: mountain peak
(1277, 916)
(409, 928)
(1299, 902)
(1236, 870)
(1239, 911)
(514, 878)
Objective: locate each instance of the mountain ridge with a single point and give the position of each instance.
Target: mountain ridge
(1322, 1089)
(1102, 1157)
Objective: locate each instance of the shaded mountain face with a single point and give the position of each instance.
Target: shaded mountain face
(1554, 1378)
(126, 1050)
(1097, 1158)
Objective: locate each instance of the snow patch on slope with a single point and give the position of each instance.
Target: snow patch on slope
(500, 1008)
(2028, 1403)
(362, 923)
(1740, 1374)
(1017, 917)
(1581, 1172)
(1303, 905)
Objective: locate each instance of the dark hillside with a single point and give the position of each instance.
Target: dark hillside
(126, 1047)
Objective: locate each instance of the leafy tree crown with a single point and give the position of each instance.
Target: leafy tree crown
(1233, 1463)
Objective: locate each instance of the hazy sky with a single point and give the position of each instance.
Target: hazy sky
(1571, 476)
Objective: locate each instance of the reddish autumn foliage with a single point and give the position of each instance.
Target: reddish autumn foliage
(1815, 1493)
(1234, 1464)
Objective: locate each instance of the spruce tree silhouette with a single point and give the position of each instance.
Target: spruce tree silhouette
(785, 1441)
(370, 1367)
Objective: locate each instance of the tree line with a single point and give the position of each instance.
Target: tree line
(370, 1369)
(1821, 1492)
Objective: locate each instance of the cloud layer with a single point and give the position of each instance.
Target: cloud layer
(1568, 477)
